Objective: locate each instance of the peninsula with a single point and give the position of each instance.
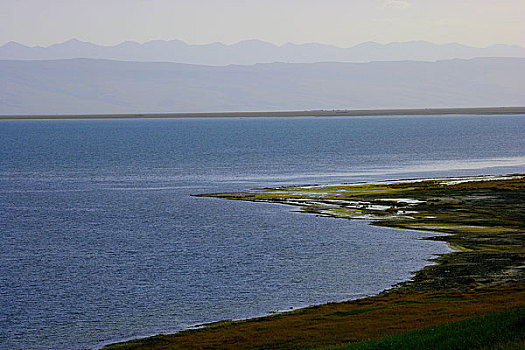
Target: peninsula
(481, 218)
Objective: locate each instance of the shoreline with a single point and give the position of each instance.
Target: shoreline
(364, 316)
(482, 220)
(279, 114)
(477, 214)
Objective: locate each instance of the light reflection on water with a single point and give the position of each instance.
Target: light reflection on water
(101, 240)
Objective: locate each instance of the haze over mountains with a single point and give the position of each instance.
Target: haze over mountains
(255, 51)
(84, 86)
(76, 77)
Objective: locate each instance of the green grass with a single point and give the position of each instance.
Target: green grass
(504, 330)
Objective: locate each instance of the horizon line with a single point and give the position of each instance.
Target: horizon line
(501, 110)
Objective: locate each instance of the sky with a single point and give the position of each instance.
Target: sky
(338, 22)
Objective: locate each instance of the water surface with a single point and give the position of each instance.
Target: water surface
(101, 240)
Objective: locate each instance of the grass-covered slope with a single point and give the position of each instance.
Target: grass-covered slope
(502, 330)
(334, 324)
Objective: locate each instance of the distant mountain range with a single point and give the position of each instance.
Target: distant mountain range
(83, 86)
(255, 51)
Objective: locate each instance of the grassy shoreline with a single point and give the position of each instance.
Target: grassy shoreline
(484, 219)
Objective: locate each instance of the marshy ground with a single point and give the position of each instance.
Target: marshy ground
(482, 218)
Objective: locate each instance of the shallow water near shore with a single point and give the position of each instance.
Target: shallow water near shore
(101, 240)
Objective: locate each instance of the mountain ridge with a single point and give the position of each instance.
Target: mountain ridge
(98, 86)
(253, 51)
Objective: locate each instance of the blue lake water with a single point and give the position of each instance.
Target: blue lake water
(101, 240)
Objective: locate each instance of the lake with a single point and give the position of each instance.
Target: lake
(102, 240)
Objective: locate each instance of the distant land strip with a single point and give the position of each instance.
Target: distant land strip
(312, 113)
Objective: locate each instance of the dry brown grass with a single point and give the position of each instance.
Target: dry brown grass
(331, 324)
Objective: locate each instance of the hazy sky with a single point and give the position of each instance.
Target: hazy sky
(337, 22)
